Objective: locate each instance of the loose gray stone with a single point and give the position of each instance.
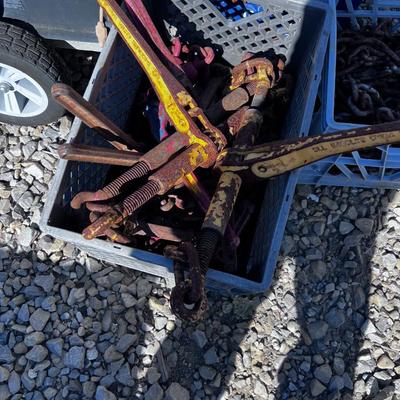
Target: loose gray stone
(75, 357)
(372, 386)
(317, 330)
(55, 346)
(38, 319)
(200, 338)
(124, 376)
(318, 269)
(88, 389)
(153, 375)
(34, 338)
(210, 356)
(389, 261)
(36, 170)
(207, 373)
(111, 354)
(5, 206)
(28, 149)
(4, 392)
(154, 393)
(27, 382)
(128, 300)
(176, 392)
(45, 281)
(48, 304)
(37, 354)
(386, 393)
(383, 377)
(365, 225)
(76, 295)
(4, 374)
(260, 390)
(337, 383)
(92, 354)
(351, 213)
(26, 201)
(26, 236)
(323, 373)
(125, 342)
(103, 394)
(316, 388)
(329, 203)
(345, 227)
(319, 228)
(143, 287)
(50, 393)
(14, 383)
(359, 297)
(338, 365)
(335, 318)
(385, 362)
(6, 355)
(23, 313)
(160, 322)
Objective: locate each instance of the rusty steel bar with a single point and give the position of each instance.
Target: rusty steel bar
(278, 158)
(97, 155)
(91, 116)
(221, 206)
(191, 291)
(139, 10)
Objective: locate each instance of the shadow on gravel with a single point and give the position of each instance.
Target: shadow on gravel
(333, 277)
(332, 247)
(207, 357)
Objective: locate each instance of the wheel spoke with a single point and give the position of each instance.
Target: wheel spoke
(11, 103)
(15, 76)
(29, 94)
(3, 73)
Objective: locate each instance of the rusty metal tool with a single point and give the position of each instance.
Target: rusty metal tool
(180, 106)
(148, 162)
(221, 207)
(81, 108)
(158, 183)
(273, 159)
(97, 155)
(185, 115)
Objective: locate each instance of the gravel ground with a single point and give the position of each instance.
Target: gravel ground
(75, 328)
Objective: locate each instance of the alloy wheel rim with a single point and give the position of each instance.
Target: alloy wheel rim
(20, 95)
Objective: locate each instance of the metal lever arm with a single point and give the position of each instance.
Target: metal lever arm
(93, 118)
(178, 103)
(280, 157)
(97, 155)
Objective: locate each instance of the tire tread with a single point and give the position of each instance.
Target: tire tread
(33, 50)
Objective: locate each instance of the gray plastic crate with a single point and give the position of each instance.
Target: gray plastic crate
(352, 169)
(112, 89)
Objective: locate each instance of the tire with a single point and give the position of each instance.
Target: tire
(26, 56)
